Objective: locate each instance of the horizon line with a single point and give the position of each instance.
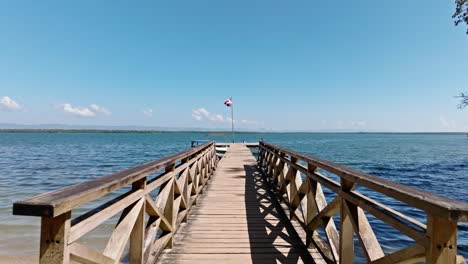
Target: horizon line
(143, 131)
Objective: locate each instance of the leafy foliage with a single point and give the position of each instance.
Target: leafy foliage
(461, 12)
(463, 100)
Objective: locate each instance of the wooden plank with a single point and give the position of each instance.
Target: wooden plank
(158, 246)
(87, 222)
(61, 201)
(86, 255)
(331, 209)
(411, 254)
(160, 180)
(364, 231)
(460, 259)
(168, 201)
(389, 216)
(443, 240)
(237, 215)
(153, 210)
(346, 229)
(137, 236)
(437, 205)
(150, 236)
(247, 144)
(117, 242)
(329, 225)
(54, 247)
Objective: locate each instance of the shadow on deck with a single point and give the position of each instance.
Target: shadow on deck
(273, 239)
(237, 220)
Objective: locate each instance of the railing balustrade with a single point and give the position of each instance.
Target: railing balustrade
(148, 223)
(435, 241)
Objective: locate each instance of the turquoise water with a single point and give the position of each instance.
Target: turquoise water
(35, 163)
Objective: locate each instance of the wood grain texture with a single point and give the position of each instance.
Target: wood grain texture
(437, 205)
(61, 201)
(54, 239)
(238, 219)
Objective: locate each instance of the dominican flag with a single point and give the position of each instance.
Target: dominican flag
(228, 102)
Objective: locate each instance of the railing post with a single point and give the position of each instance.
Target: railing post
(443, 240)
(54, 247)
(169, 209)
(260, 156)
(346, 228)
(137, 237)
(214, 158)
(293, 191)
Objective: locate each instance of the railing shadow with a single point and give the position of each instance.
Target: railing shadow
(272, 237)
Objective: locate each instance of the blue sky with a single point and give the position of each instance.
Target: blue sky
(289, 65)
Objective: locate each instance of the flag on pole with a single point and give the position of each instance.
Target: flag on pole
(228, 102)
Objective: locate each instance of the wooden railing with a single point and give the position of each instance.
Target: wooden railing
(298, 182)
(185, 174)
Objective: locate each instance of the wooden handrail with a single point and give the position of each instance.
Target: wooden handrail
(184, 178)
(57, 202)
(149, 222)
(426, 201)
(435, 242)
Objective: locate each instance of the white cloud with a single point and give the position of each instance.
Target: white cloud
(148, 112)
(250, 122)
(218, 117)
(197, 117)
(8, 104)
(99, 110)
(90, 111)
(201, 114)
(448, 124)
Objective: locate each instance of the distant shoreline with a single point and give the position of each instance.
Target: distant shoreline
(214, 133)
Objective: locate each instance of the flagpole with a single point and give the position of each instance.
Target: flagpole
(232, 120)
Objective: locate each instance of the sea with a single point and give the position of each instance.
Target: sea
(34, 163)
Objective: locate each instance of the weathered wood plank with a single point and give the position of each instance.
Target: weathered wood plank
(237, 215)
(137, 236)
(364, 231)
(54, 247)
(443, 234)
(86, 255)
(153, 210)
(61, 201)
(440, 206)
(412, 254)
(87, 222)
(121, 234)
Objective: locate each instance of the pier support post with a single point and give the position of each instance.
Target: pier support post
(169, 209)
(137, 236)
(346, 228)
(54, 247)
(443, 240)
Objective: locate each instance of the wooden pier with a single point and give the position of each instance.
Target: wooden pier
(238, 219)
(193, 207)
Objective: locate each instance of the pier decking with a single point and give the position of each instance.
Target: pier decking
(194, 207)
(237, 220)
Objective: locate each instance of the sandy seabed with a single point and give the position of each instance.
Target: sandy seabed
(18, 259)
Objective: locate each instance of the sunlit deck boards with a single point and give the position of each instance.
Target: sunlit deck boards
(236, 220)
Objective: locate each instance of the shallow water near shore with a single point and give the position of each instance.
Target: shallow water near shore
(34, 163)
